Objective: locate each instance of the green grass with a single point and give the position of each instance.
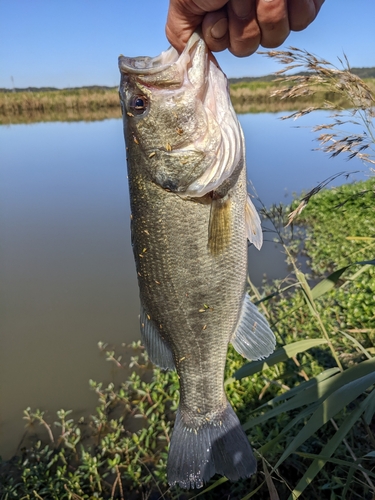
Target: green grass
(95, 456)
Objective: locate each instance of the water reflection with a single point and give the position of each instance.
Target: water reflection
(66, 267)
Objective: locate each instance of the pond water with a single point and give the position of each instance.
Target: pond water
(66, 267)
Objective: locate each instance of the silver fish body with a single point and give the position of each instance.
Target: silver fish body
(191, 218)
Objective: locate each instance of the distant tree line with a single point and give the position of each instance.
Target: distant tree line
(361, 72)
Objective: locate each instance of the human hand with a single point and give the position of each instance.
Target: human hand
(238, 25)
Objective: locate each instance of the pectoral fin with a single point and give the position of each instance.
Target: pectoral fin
(253, 337)
(158, 350)
(219, 230)
(253, 225)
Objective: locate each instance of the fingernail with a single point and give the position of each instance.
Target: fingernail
(219, 29)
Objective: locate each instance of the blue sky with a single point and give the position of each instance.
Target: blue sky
(76, 42)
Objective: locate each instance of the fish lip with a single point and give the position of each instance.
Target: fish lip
(145, 65)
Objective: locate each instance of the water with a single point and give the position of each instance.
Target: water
(66, 267)
(282, 162)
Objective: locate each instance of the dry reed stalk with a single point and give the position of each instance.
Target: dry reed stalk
(322, 74)
(66, 115)
(58, 100)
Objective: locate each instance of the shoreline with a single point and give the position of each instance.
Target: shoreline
(102, 103)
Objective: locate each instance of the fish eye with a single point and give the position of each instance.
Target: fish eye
(138, 104)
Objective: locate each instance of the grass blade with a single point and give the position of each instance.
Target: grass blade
(357, 344)
(305, 385)
(252, 493)
(211, 487)
(370, 408)
(328, 283)
(315, 395)
(274, 294)
(283, 354)
(337, 461)
(328, 451)
(349, 480)
(366, 262)
(295, 390)
(328, 408)
(307, 295)
(270, 484)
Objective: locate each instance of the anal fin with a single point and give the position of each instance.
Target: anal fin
(157, 349)
(253, 337)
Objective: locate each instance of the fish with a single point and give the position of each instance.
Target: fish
(191, 220)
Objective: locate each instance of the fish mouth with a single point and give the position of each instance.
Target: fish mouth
(145, 64)
(171, 69)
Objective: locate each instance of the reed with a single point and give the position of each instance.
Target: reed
(100, 103)
(359, 112)
(66, 115)
(13, 103)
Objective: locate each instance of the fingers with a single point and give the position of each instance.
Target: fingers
(302, 13)
(239, 25)
(256, 22)
(185, 16)
(209, 5)
(181, 23)
(243, 25)
(273, 22)
(245, 34)
(215, 30)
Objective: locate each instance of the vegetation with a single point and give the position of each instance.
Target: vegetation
(64, 115)
(16, 107)
(363, 73)
(263, 96)
(309, 409)
(96, 103)
(317, 387)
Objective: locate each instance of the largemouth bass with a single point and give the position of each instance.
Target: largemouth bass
(191, 219)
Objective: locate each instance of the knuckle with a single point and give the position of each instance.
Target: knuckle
(271, 42)
(217, 45)
(244, 47)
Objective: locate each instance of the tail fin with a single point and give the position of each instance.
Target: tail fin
(216, 446)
